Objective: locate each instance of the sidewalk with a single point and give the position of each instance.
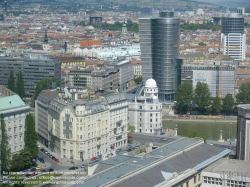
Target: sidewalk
(63, 161)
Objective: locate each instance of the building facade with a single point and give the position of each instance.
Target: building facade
(15, 111)
(95, 21)
(145, 112)
(211, 75)
(80, 128)
(243, 132)
(41, 110)
(221, 174)
(159, 39)
(34, 67)
(126, 73)
(105, 79)
(118, 108)
(80, 78)
(233, 37)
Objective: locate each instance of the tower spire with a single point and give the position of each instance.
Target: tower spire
(46, 37)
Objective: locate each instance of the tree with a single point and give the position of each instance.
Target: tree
(44, 84)
(5, 149)
(202, 97)
(228, 104)
(243, 97)
(184, 97)
(30, 136)
(202, 44)
(26, 156)
(138, 79)
(131, 129)
(17, 163)
(196, 133)
(216, 105)
(20, 85)
(11, 82)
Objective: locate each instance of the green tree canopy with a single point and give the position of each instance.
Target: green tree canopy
(196, 133)
(20, 85)
(184, 96)
(243, 97)
(17, 163)
(5, 149)
(202, 97)
(131, 129)
(44, 84)
(216, 105)
(11, 82)
(30, 136)
(138, 79)
(228, 104)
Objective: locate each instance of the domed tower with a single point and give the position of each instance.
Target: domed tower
(151, 89)
(124, 29)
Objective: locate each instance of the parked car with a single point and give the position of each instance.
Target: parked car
(41, 159)
(128, 150)
(53, 157)
(164, 139)
(42, 149)
(33, 174)
(39, 167)
(43, 170)
(51, 170)
(27, 175)
(32, 169)
(93, 158)
(99, 156)
(84, 165)
(118, 150)
(56, 160)
(162, 133)
(73, 168)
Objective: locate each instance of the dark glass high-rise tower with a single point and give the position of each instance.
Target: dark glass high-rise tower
(159, 39)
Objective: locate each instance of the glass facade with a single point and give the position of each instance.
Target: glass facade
(232, 37)
(159, 39)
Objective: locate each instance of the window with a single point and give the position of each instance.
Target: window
(15, 130)
(151, 107)
(70, 127)
(64, 144)
(140, 107)
(71, 152)
(64, 126)
(15, 139)
(151, 114)
(194, 179)
(71, 144)
(151, 120)
(140, 114)
(81, 137)
(80, 128)
(187, 184)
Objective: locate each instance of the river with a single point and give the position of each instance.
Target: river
(209, 128)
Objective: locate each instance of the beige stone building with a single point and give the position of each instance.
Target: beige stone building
(78, 128)
(81, 129)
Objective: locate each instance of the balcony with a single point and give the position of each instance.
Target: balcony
(118, 137)
(119, 123)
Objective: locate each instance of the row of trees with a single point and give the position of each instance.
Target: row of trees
(194, 27)
(26, 157)
(200, 99)
(18, 86)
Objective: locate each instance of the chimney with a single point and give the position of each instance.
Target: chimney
(88, 96)
(65, 46)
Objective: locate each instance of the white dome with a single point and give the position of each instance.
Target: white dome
(155, 97)
(150, 83)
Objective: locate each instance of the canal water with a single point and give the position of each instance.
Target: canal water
(210, 129)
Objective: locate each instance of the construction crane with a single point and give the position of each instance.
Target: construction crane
(220, 48)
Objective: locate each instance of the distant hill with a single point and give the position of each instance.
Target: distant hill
(166, 4)
(229, 3)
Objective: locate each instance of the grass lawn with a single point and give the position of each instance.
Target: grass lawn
(39, 179)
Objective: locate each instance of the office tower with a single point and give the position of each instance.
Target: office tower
(35, 65)
(241, 10)
(159, 39)
(233, 37)
(95, 21)
(243, 132)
